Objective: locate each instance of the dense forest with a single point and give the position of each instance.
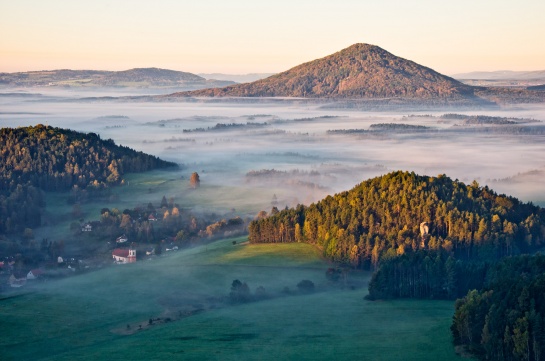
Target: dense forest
(44, 158)
(55, 159)
(402, 212)
(433, 274)
(505, 320)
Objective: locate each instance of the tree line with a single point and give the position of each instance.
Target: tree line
(167, 221)
(381, 218)
(432, 274)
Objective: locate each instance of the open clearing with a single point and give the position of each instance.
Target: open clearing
(83, 317)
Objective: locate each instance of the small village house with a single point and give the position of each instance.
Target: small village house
(16, 281)
(124, 255)
(121, 239)
(34, 274)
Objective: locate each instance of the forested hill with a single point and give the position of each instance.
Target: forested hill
(359, 71)
(505, 320)
(57, 159)
(384, 217)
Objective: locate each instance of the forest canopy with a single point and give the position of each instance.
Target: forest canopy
(56, 159)
(43, 158)
(402, 212)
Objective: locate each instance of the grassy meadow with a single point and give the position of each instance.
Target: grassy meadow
(96, 316)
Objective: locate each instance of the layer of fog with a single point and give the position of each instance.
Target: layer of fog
(293, 140)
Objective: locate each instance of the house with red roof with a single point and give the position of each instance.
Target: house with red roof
(33, 274)
(124, 255)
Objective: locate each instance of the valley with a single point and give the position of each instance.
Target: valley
(345, 203)
(86, 316)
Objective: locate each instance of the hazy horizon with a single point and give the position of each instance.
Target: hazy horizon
(277, 138)
(242, 37)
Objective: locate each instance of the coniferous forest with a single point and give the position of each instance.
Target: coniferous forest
(43, 158)
(437, 238)
(402, 212)
(505, 320)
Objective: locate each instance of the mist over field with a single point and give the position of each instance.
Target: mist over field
(289, 148)
(252, 155)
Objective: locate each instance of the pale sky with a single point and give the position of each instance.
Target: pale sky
(245, 36)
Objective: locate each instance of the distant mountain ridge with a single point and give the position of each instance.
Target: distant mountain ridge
(359, 71)
(238, 78)
(137, 77)
(531, 80)
(502, 75)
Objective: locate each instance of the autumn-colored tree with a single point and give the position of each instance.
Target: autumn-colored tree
(194, 180)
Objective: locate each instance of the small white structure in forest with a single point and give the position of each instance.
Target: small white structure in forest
(424, 229)
(424, 234)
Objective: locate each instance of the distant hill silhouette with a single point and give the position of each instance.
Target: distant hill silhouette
(359, 71)
(150, 75)
(237, 78)
(502, 75)
(138, 77)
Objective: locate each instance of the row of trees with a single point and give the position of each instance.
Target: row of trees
(151, 224)
(426, 274)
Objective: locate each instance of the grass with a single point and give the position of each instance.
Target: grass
(143, 188)
(74, 318)
(282, 254)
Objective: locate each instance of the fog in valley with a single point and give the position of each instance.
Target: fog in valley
(289, 148)
(251, 155)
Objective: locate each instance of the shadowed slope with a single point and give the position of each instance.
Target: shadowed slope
(359, 71)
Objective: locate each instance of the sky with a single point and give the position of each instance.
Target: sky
(253, 36)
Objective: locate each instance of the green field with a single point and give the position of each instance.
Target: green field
(85, 317)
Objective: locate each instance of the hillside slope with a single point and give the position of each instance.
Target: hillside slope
(58, 159)
(384, 217)
(359, 71)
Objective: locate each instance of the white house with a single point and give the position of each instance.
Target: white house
(123, 255)
(121, 239)
(16, 282)
(87, 228)
(33, 274)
